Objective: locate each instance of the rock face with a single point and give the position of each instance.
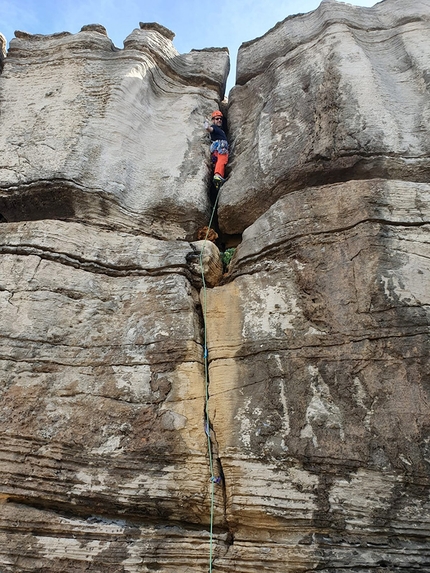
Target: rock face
(338, 94)
(319, 380)
(107, 136)
(101, 395)
(277, 420)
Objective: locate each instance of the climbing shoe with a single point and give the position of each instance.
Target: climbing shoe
(218, 181)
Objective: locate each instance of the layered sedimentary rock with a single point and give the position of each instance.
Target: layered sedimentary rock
(102, 397)
(341, 93)
(108, 136)
(319, 380)
(319, 342)
(316, 339)
(104, 152)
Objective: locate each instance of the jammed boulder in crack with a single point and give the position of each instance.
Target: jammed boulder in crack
(340, 93)
(205, 257)
(319, 365)
(108, 136)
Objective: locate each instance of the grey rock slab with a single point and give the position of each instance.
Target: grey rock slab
(112, 137)
(337, 94)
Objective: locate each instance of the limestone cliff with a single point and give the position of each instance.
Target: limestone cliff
(106, 136)
(331, 96)
(317, 337)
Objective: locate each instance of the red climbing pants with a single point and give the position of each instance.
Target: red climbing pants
(221, 160)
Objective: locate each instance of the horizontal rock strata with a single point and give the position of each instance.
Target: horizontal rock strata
(102, 366)
(109, 136)
(275, 415)
(341, 93)
(96, 543)
(319, 380)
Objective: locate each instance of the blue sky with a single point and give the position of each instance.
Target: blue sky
(196, 23)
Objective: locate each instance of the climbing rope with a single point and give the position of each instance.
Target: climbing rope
(213, 479)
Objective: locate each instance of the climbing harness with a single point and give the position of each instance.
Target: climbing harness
(219, 145)
(213, 479)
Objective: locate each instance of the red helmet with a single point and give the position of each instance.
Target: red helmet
(216, 113)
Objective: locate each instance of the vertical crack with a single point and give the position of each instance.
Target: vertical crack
(217, 476)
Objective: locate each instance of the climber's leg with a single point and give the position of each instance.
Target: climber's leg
(221, 162)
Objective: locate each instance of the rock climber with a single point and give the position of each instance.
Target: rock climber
(219, 147)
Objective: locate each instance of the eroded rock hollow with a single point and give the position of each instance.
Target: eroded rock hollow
(299, 378)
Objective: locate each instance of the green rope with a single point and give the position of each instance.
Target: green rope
(206, 362)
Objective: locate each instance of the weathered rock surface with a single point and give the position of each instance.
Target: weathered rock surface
(108, 136)
(341, 93)
(102, 398)
(316, 340)
(100, 332)
(320, 379)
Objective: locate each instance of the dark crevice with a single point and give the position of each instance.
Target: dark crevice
(218, 478)
(53, 199)
(93, 266)
(132, 520)
(70, 201)
(163, 358)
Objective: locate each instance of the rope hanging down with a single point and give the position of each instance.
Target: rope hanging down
(213, 479)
